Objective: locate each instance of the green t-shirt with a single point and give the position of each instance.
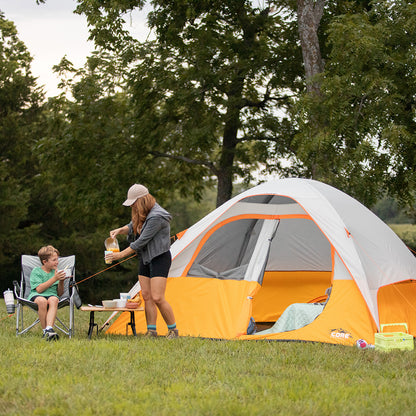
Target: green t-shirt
(39, 276)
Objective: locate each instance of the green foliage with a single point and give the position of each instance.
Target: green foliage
(407, 232)
(117, 375)
(360, 134)
(19, 125)
(390, 212)
(211, 84)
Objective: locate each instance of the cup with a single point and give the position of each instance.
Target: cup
(67, 272)
(125, 296)
(121, 303)
(9, 301)
(105, 253)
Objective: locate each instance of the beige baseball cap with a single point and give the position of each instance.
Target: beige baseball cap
(135, 192)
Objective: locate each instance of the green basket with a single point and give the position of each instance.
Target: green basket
(387, 341)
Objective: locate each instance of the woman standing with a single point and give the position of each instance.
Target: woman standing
(149, 236)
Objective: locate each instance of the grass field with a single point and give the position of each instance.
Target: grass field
(116, 375)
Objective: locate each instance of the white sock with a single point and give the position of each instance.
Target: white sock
(48, 327)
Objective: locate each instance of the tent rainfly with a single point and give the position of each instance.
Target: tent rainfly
(273, 253)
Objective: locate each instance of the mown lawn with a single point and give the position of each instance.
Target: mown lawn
(116, 375)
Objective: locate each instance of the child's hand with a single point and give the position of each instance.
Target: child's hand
(60, 275)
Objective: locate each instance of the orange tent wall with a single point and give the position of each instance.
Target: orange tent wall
(281, 289)
(345, 319)
(203, 307)
(396, 304)
(213, 308)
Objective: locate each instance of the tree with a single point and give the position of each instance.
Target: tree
(367, 123)
(20, 109)
(309, 14)
(211, 84)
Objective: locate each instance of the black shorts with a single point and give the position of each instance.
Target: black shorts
(46, 297)
(159, 266)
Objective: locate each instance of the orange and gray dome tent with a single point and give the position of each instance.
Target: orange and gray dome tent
(282, 245)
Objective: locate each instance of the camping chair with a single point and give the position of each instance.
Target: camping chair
(70, 297)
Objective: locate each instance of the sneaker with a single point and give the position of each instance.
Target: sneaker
(150, 334)
(51, 335)
(46, 332)
(172, 334)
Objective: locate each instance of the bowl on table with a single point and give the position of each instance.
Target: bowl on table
(109, 303)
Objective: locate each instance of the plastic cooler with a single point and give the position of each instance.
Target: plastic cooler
(387, 341)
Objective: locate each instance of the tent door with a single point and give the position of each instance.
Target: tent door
(258, 262)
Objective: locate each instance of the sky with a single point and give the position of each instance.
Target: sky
(51, 30)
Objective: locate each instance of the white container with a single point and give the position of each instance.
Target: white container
(121, 303)
(9, 301)
(125, 296)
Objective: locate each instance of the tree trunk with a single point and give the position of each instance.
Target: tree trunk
(226, 163)
(309, 16)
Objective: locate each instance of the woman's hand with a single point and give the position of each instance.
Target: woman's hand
(121, 230)
(115, 232)
(113, 256)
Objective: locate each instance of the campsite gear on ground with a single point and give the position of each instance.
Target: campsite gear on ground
(111, 245)
(362, 344)
(387, 341)
(9, 301)
(69, 298)
(286, 242)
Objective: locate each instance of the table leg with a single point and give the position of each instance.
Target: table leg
(132, 323)
(92, 324)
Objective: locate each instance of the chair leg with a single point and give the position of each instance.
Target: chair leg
(20, 329)
(71, 318)
(17, 318)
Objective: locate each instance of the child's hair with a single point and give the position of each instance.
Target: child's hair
(45, 252)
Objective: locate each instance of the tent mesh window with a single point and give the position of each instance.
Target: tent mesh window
(227, 252)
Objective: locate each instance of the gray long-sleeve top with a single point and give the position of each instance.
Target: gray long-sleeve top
(155, 236)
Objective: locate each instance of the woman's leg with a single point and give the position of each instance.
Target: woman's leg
(158, 288)
(149, 304)
(42, 310)
(52, 310)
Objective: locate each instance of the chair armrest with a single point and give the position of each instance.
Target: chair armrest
(16, 288)
(23, 301)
